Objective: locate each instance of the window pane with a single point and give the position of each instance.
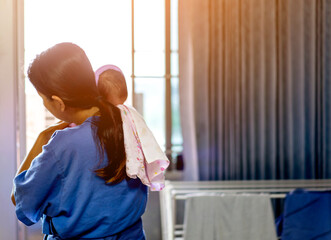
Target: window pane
(176, 150)
(149, 25)
(176, 137)
(102, 28)
(150, 95)
(149, 64)
(128, 80)
(174, 64)
(174, 25)
(37, 116)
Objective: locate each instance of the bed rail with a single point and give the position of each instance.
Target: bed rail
(180, 190)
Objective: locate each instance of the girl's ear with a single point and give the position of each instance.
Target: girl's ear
(59, 103)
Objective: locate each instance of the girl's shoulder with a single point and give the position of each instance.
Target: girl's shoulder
(73, 137)
(75, 131)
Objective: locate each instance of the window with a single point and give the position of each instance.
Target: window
(155, 69)
(50, 22)
(141, 48)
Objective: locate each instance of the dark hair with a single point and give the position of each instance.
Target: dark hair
(65, 71)
(112, 85)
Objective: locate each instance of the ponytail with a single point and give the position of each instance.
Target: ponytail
(110, 134)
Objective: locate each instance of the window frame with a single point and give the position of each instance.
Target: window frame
(167, 76)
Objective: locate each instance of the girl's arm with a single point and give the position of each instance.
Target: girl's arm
(42, 140)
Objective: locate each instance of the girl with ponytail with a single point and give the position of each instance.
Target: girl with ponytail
(78, 183)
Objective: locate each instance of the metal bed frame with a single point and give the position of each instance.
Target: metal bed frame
(179, 191)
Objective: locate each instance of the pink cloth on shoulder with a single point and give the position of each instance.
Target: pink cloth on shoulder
(145, 158)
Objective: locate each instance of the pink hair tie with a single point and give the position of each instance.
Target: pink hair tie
(100, 70)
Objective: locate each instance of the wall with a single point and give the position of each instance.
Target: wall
(8, 93)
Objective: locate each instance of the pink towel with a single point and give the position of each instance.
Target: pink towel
(145, 158)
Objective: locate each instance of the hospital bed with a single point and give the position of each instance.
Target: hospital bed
(177, 191)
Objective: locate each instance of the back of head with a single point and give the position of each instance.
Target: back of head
(112, 86)
(65, 71)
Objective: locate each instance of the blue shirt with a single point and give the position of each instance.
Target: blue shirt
(62, 188)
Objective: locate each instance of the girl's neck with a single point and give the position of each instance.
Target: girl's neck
(79, 116)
